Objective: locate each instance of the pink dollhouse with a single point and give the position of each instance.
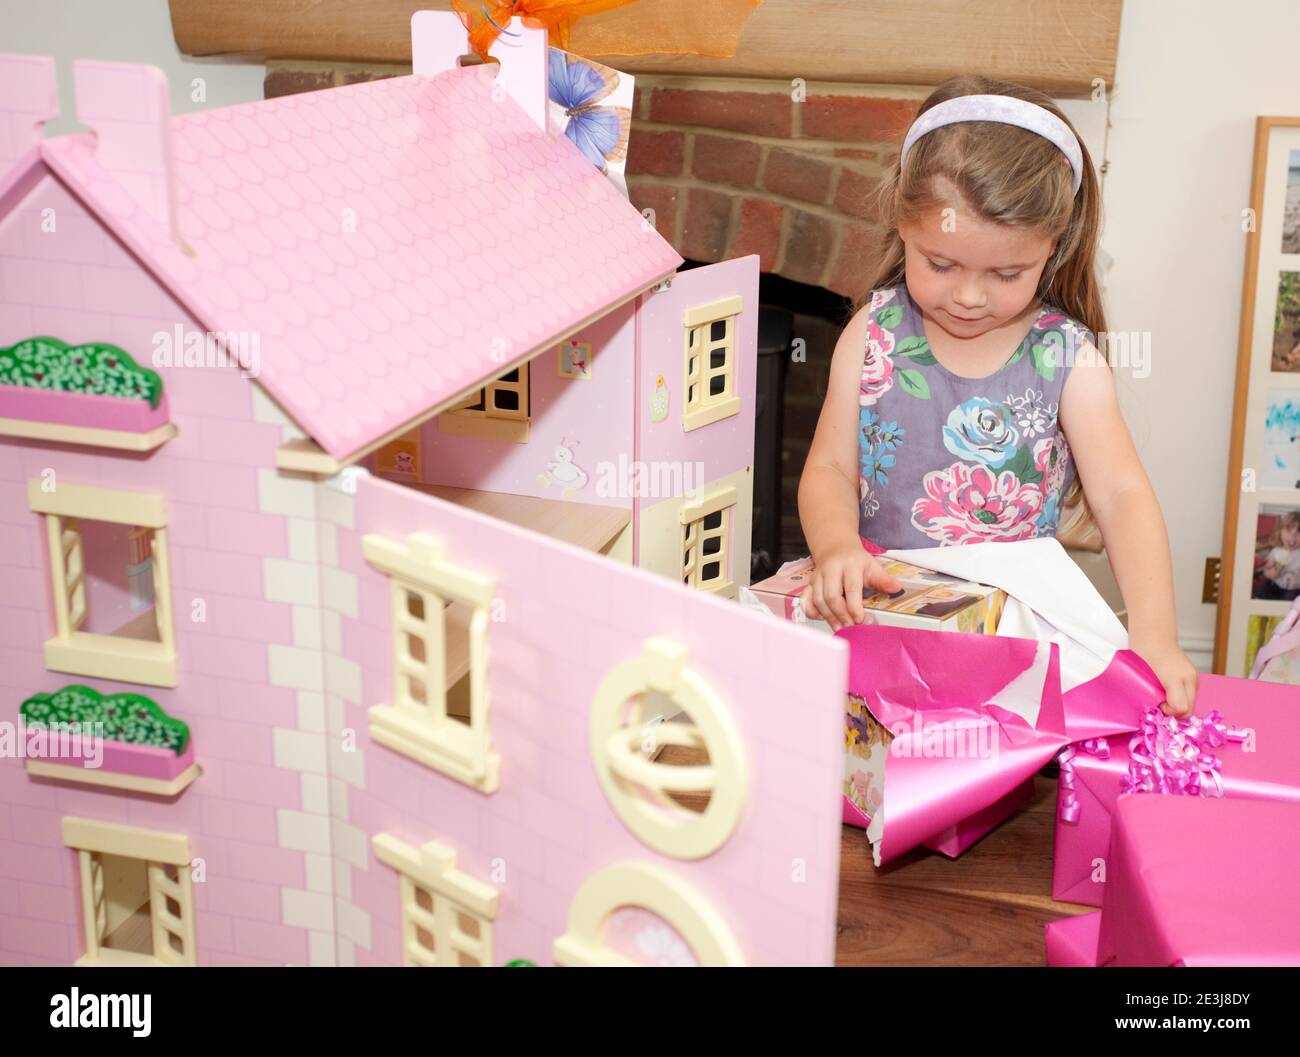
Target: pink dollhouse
(374, 484)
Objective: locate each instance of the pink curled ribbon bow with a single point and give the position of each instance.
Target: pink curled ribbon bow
(1171, 755)
(1069, 800)
(1166, 755)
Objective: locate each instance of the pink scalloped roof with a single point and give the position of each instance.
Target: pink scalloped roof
(478, 241)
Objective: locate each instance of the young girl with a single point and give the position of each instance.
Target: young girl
(954, 388)
(1280, 576)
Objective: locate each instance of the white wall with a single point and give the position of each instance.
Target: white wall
(120, 31)
(1190, 82)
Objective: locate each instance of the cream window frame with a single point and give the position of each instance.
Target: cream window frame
(650, 887)
(425, 731)
(637, 787)
(491, 421)
(699, 406)
(157, 850)
(452, 893)
(93, 653)
(695, 537)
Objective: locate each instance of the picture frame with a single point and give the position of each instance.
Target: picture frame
(1264, 448)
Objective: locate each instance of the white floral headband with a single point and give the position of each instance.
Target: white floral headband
(1006, 109)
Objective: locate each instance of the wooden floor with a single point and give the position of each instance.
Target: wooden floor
(987, 907)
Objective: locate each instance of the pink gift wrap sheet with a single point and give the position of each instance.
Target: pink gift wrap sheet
(1199, 881)
(917, 683)
(1270, 772)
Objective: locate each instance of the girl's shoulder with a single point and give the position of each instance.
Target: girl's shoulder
(886, 308)
(1073, 333)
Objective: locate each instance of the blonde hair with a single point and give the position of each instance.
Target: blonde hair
(1004, 174)
(1289, 518)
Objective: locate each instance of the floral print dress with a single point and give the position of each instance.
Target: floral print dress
(947, 460)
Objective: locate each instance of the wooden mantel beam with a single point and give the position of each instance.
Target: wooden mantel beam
(1058, 46)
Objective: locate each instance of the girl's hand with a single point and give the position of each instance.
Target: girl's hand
(835, 594)
(1176, 674)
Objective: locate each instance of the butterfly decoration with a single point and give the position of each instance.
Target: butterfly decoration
(577, 88)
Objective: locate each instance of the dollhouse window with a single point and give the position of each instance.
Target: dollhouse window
(706, 532)
(137, 894)
(438, 714)
(111, 583)
(499, 410)
(643, 887)
(667, 753)
(447, 915)
(710, 363)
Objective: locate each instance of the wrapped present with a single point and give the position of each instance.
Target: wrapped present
(866, 749)
(1097, 688)
(1199, 881)
(1072, 942)
(1252, 755)
(971, 719)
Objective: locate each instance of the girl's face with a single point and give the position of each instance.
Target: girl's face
(1291, 536)
(971, 276)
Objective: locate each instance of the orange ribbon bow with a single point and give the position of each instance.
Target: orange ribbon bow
(614, 27)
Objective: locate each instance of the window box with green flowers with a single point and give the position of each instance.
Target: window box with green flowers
(121, 740)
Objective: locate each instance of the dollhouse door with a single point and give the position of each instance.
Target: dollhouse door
(620, 768)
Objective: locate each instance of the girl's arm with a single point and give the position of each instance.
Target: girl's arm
(1130, 520)
(828, 494)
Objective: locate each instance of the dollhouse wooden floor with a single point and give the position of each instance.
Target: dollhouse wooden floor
(987, 907)
(585, 525)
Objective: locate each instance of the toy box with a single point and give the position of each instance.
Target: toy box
(928, 600)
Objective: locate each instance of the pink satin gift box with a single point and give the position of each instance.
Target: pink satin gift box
(1194, 882)
(1267, 767)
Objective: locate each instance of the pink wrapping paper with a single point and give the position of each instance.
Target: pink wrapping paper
(957, 838)
(1198, 882)
(1270, 772)
(1072, 942)
(922, 684)
(961, 835)
(918, 683)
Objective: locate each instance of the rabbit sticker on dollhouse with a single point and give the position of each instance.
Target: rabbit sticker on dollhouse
(563, 472)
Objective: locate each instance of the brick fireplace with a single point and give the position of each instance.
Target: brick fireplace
(737, 167)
